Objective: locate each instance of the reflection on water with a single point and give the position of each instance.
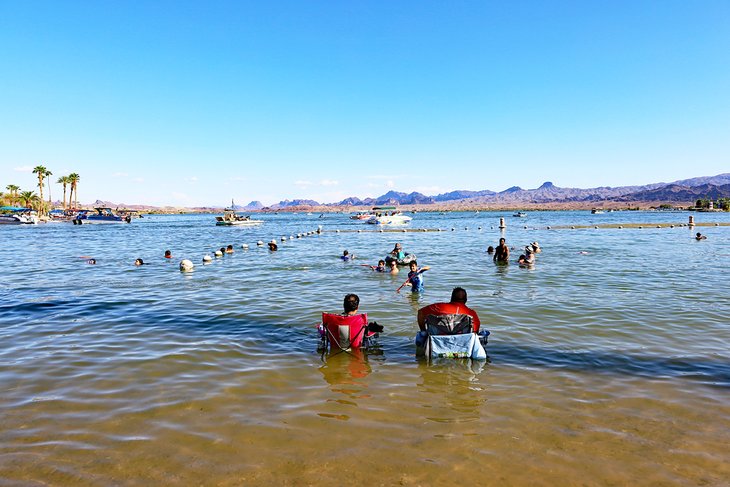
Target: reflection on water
(607, 366)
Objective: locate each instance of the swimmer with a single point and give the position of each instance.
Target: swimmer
(346, 256)
(536, 247)
(229, 249)
(379, 268)
(699, 236)
(490, 250)
(415, 280)
(273, 247)
(393, 267)
(168, 254)
(139, 262)
(91, 261)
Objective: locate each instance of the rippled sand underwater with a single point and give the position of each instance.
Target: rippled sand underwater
(607, 367)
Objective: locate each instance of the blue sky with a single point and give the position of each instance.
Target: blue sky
(195, 103)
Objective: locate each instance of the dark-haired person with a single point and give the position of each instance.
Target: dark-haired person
(168, 254)
(351, 304)
(457, 306)
(139, 262)
(501, 253)
(699, 236)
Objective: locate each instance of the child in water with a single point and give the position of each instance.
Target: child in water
(415, 278)
(346, 256)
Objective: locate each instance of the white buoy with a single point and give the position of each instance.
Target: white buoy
(501, 223)
(207, 258)
(620, 226)
(659, 226)
(283, 239)
(596, 227)
(572, 228)
(525, 227)
(337, 231)
(691, 221)
(423, 230)
(439, 229)
(640, 226)
(291, 237)
(260, 243)
(404, 230)
(380, 230)
(186, 265)
(548, 227)
(244, 246)
(717, 224)
(218, 253)
(479, 228)
(671, 226)
(359, 231)
(452, 229)
(319, 229)
(466, 228)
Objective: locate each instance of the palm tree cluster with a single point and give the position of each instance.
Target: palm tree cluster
(30, 199)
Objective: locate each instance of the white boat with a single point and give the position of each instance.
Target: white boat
(520, 214)
(388, 215)
(230, 217)
(596, 211)
(13, 215)
(102, 215)
(362, 215)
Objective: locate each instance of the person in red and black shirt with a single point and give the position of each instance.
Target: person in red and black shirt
(457, 306)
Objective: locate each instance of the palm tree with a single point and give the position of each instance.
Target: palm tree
(65, 181)
(73, 179)
(41, 172)
(28, 197)
(13, 192)
(49, 173)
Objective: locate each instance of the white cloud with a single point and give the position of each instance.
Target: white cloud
(120, 175)
(302, 184)
(329, 182)
(237, 178)
(138, 180)
(192, 179)
(390, 184)
(23, 169)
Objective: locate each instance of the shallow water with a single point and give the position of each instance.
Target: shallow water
(610, 366)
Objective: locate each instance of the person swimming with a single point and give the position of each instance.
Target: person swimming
(168, 254)
(229, 249)
(699, 236)
(139, 262)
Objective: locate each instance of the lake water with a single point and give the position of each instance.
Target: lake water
(607, 367)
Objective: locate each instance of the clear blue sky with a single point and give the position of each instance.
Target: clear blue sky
(195, 103)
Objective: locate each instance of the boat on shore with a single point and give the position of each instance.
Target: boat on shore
(231, 218)
(102, 215)
(520, 214)
(15, 215)
(388, 215)
(596, 211)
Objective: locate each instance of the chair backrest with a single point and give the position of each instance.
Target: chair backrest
(345, 332)
(452, 324)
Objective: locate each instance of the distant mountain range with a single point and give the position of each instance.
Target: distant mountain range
(684, 191)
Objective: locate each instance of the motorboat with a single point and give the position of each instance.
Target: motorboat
(102, 215)
(520, 214)
(15, 215)
(596, 211)
(362, 216)
(388, 215)
(230, 217)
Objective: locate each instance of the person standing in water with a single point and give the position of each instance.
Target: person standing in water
(501, 253)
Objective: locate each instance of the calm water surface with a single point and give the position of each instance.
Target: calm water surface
(609, 359)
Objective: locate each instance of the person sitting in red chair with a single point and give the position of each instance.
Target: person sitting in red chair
(348, 330)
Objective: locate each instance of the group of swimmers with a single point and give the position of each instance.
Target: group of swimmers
(415, 278)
